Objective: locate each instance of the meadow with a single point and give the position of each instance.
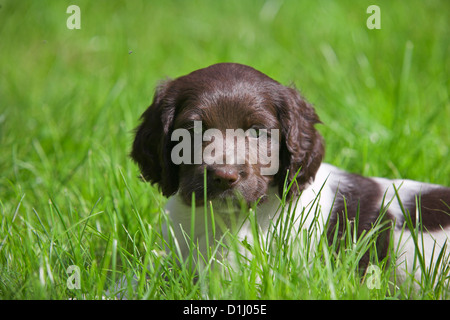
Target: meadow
(71, 98)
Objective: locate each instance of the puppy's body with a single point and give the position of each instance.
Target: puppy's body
(321, 202)
(233, 96)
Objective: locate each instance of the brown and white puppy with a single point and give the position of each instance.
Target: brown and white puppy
(212, 101)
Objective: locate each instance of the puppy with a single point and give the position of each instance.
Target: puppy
(235, 137)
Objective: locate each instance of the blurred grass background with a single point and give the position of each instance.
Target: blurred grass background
(69, 100)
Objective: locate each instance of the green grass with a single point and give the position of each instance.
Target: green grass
(69, 100)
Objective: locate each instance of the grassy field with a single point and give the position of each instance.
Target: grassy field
(70, 99)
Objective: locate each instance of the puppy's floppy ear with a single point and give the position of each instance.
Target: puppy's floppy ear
(151, 146)
(302, 146)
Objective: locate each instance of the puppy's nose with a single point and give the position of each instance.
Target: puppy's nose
(225, 176)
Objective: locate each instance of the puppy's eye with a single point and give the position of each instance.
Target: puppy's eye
(255, 132)
(196, 128)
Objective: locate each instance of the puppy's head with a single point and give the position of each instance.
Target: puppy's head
(231, 128)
